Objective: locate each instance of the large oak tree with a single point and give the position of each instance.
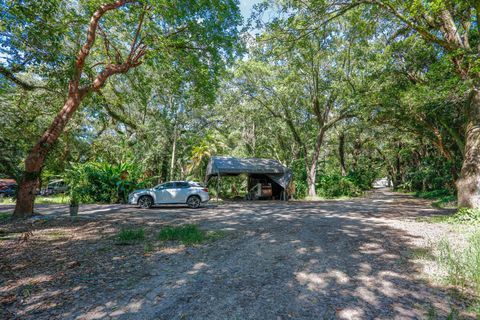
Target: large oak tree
(77, 47)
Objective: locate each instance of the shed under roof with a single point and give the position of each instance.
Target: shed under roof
(230, 166)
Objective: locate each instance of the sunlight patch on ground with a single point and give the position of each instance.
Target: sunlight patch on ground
(313, 281)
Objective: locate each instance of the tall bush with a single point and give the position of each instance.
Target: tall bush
(335, 185)
(104, 182)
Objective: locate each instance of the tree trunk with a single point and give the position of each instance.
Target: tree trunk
(468, 186)
(36, 157)
(398, 169)
(312, 169)
(174, 148)
(341, 153)
(311, 179)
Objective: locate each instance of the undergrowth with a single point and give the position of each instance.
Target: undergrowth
(462, 266)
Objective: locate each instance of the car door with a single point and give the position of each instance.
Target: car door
(163, 193)
(182, 192)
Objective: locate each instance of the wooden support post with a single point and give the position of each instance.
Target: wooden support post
(218, 183)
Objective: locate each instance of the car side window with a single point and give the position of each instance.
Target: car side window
(183, 185)
(168, 185)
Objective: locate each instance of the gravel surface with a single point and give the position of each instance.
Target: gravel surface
(349, 259)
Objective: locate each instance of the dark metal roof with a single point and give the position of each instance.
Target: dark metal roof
(224, 166)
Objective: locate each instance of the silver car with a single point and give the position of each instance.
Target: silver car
(174, 192)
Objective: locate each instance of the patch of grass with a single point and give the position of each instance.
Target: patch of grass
(215, 235)
(432, 314)
(434, 194)
(188, 234)
(5, 235)
(104, 249)
(147, 247)
(56, 235)
(53, 199)
(462, 266)
(463, 216)
(7, 200)
(443, 198)
(434, 219)
(446, 202)
(128, 236)
(4, 216)
(475, 308)
(27, 290)
(318, 198)
(421, 254)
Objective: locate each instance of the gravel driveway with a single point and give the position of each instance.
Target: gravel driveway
(301, 260)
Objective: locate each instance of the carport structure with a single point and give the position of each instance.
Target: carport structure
(258, 170)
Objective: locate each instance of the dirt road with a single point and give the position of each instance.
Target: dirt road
(349, 259)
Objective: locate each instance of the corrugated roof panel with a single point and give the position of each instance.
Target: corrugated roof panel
(233, 166)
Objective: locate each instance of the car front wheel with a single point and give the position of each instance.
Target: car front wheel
(194, 202)
(145, 202)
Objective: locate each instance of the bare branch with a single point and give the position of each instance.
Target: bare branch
(134, 46)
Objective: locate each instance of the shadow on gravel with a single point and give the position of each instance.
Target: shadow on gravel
(301, 260)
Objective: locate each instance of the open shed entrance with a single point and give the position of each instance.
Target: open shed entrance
(267, 179)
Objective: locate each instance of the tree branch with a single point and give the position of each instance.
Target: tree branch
(421, 30)
(91, 33)
(23, 84)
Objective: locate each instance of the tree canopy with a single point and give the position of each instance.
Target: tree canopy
(342, 92)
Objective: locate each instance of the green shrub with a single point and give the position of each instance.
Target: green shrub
(462, 266)
(362, 178)
(333, 186)
(301, 189)
(103, 182)
(131, 235)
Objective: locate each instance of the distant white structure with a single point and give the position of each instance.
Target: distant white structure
(382, 183)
